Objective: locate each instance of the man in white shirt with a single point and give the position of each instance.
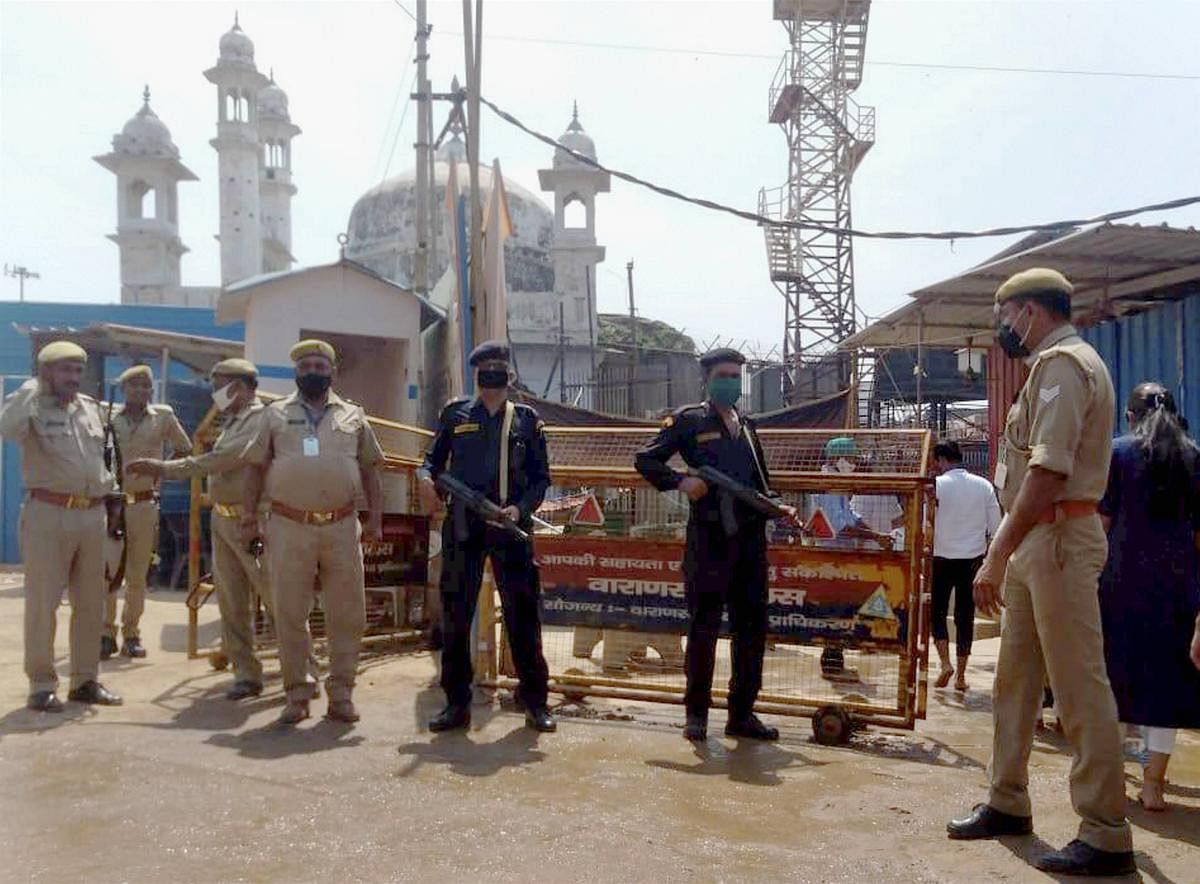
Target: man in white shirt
(968, 516)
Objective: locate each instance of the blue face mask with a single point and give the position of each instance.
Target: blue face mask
(725, 391)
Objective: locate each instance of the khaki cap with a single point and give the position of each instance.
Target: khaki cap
(133, 371)
(59, 351)
(312, 347)
(1035, 279)
(235, 366)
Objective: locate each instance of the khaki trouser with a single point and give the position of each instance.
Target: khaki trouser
(141, 536)
(62, 548)
(298, 552)
(239, 580)
(1052, 627)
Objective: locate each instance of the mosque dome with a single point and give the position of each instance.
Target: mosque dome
(272, 102)
(577, 140)
(145, 134)
(235, 45)
(383, 230)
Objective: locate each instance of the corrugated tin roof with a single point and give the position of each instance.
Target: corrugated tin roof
(1115, 268)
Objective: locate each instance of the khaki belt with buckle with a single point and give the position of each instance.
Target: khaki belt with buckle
(310, 517)
(67, 501)
(228, 510)
(132, 497)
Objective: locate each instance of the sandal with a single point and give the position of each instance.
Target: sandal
(944, 677)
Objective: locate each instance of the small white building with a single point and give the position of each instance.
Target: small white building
(374, 324)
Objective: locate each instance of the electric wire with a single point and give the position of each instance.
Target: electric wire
(764, 221)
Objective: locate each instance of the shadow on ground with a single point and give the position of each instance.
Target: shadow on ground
(463, 755)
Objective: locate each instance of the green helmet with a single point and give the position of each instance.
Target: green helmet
(842, 446)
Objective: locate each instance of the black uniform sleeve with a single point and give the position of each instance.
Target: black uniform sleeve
(537, 470)
(651, 461)
(438, 451)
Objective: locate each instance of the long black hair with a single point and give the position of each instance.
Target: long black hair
(1170, 453)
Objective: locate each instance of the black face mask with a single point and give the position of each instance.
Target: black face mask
(493, 378)
(313, 386)
(1010, 342)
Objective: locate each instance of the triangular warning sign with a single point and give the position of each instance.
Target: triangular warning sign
(877, 606)
(589, 513)
(818, 525)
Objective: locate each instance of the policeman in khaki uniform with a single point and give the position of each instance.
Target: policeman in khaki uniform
(142, 430)
(238, 576)
(62, 521)
(1048, 553)
(318, 458)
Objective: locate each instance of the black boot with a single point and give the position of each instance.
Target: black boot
(696, 728)
(44, 701)
(108, 646)
(133, 648)
(1080, 858)
(750, 728)
(94, 693)
(452, 718)
(541, 720)
(987, 822)
(242, 690)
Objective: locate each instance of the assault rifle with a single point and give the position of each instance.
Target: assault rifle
(478, 503)
(729, 490)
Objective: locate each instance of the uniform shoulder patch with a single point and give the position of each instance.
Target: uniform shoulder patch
(681, 413)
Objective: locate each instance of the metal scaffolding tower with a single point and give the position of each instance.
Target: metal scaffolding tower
(828, 135)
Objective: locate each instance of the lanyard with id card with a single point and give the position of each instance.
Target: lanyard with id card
(311, 445)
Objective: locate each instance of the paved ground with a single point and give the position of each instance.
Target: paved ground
(179, 785)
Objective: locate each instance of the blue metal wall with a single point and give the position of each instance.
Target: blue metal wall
(1162, 344)
(16, 360)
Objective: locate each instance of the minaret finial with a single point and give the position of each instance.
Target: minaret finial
(146, 95)
(575, 111)
(236, 26)
(272, 77)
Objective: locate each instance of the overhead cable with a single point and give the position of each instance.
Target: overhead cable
(764, 221)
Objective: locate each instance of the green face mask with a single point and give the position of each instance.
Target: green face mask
(725, 391)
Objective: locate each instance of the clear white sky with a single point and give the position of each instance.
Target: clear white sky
(955, 149)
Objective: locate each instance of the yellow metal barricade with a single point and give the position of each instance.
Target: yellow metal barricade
(613, 602)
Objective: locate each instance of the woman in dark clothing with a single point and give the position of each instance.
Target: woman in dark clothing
(1150, 588)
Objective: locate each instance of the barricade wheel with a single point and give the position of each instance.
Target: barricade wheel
(831, 726)
(218, 661)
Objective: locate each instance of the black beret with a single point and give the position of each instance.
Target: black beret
(719, 355)
(489, 351)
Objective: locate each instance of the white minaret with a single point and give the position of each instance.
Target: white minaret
(275, 134)
(238, 83)
(146, 163)
(575, 253)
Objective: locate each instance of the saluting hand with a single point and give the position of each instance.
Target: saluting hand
(988, 580)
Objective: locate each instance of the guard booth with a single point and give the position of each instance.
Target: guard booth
(613, 609)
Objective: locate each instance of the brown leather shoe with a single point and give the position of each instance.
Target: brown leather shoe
(294, 712)
(342, 710)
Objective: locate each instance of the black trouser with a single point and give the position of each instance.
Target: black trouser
(462, 573)
(955, 575)
(722, 571)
